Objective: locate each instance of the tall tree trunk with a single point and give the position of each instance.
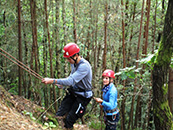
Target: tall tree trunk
(88, 42)
(52, 48)
(25, 84)
(149, 116)
(161, 109)
(97, 59)
(105, 35)
(144, 51)
(46, 95)
(4, 61)
(95, 49)
(64, 33)
(45, 59)
(52, 91)
(58, 48)
(48, 36)
(74, 22)
(117, 66)
(32, 52)
(35, 49)
(124, 65)
(154, 28)
(170, 89)
(130, 124)
(131, 36)
(20, 47)
(105, 45)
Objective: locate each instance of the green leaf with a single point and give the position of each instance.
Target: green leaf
(171, 66)
(123, 76)
(46, 124)
(131, 75)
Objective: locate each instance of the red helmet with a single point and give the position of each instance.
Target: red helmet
(70, 49)
(108, 73)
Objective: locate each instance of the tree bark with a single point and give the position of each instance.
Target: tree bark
(20, 47)
(74, 22)
(124, 65)
(52, 90)
(94, 80)
(45, 59)
(66, 71)
(105, 35)
(162, 113)
(34, 53)
(25, 79)
(130, 125)
(58, 48)
(4, 61)
(88, 41)
(170, 89)
(144, 51)
(155, 15)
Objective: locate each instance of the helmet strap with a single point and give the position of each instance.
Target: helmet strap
(75, 60)
(109, 80)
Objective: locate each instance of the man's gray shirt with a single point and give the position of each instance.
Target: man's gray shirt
(80, 77)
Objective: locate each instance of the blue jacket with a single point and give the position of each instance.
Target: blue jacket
(110, 99)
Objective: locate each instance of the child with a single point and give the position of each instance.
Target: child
(109, 102)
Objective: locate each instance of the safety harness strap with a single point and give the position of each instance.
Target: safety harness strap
(113, 110)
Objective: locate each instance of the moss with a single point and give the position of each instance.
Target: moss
(164, 108)
(165, 57)
(165, 89)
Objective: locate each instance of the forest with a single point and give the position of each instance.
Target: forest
(132, 37)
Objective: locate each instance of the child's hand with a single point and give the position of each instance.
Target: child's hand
(99, 100)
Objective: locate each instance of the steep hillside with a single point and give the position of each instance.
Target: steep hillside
(11, 117)
(18, 113)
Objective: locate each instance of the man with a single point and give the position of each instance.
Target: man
(79, 94)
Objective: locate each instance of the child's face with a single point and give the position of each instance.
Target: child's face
(106, 80)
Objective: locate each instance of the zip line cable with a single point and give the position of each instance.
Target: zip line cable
(19, 63)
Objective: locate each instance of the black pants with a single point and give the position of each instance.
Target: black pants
(111, 122)
(74, 106)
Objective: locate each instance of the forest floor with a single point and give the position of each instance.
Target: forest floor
(16, 114)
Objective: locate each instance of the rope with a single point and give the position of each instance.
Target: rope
(19, 63)
(48, 108)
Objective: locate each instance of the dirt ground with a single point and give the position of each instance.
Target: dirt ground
(12, 117)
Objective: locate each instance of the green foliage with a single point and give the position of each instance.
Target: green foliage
(46, 125)
(14, 89)
(95, 123)
(127, 72)
(149, 60)
(171, 65)
(30, 115)
(49, 125)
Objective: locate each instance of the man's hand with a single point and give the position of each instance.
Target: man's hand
(47, 80)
